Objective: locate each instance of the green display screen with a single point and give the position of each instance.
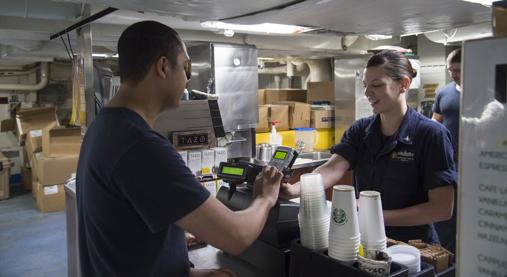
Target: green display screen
(279, 155)
(238, 171)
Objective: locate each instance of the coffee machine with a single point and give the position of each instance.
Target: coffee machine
(271, 251)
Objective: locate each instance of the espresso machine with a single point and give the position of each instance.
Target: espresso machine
(271, 251)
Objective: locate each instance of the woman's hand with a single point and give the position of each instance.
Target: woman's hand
(289, 191)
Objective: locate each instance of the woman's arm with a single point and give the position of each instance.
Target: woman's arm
(332, 171)
(438, 208)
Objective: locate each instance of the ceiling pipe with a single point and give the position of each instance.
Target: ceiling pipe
(23, 87)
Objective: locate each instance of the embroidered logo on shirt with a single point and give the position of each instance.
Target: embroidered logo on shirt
(339, 216)
(403, 156)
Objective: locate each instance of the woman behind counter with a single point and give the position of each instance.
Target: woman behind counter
(405, 156)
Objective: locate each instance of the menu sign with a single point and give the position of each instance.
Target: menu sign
(482, 234)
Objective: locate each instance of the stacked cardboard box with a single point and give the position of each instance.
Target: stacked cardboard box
(320, 92)
(55, 165)
(287, 107)
(5, 173)
(299, 113)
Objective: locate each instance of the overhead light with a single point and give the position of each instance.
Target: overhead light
(487, 3)
(104, 55)
(268, 28)
(228, 33)
(378, 37)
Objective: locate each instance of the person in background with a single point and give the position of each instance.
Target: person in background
(135, 196)
(446, 111)
(398, 152)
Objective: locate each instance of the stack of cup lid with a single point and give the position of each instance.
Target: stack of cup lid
(313, 212)
(371, 221)
(406, 255)
(344, 236)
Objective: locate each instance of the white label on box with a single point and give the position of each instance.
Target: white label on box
(48, 190)
(36, 133)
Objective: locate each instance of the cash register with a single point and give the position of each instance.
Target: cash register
(271, 251)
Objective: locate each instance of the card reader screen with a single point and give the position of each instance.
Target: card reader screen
(237, 171)
(279, 155)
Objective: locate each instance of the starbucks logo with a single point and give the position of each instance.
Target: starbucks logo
(339, 216)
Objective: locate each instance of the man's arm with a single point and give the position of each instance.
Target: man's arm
(332, 171)
(437, 117)
(232, 231)
(438, 208)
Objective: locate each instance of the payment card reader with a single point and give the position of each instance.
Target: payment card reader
(283, 159)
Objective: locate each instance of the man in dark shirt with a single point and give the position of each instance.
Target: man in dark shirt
(446, 111)
(135, 195)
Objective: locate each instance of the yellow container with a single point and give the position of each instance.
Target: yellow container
(325, 139)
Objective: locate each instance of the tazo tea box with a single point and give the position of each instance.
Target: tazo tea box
(194, 162)
(184, 156)
(220, 155)
(208, 160)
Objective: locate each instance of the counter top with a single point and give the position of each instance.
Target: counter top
(210, 257)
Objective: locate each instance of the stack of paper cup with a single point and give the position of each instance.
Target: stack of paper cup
(371, 221)
(406, 255)
(313, 212)
(344, 236)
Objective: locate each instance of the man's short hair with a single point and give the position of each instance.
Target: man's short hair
(142, 44)
(454, 56)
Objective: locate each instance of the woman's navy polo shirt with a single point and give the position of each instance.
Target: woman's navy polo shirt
(416, 159)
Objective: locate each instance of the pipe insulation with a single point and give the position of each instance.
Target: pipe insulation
(29, 87)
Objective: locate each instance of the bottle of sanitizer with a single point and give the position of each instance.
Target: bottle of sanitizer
(274, 137)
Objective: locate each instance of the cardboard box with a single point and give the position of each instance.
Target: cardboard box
(262, 97)
(279, 114)
(299, 114)
(33, 144)
(8, 125)
(34, 119)
(50, 198)
(322, 119)
(276, 95)
(57, 170)
(5, 175)
(26, 178)
(320, 92)
(60, 141)
(263, 125)
(499, 18)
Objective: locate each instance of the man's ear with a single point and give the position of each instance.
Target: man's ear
(162, 67)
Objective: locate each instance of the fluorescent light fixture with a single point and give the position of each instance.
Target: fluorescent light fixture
(104, 55)
(487, 3)
(378, 37)
(268, 28)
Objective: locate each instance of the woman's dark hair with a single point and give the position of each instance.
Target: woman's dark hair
(142, 44)
(396, 65)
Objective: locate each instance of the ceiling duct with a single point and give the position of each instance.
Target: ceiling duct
(460, 34)
(40, 85)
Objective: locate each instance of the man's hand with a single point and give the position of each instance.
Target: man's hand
(267, 184)
(289, 191)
